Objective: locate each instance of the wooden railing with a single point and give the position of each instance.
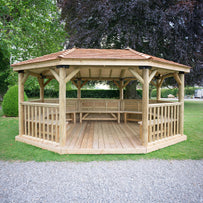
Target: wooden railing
(163, 120)
(41, 120)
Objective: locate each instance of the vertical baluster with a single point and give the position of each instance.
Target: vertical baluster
(174, 120)
(150, 124)
(171, 120)
(36, 121)
(158, 122)
(178, 118)
(57, 126)
(165, 113)
(154, 129)
(43, 122)
(52, 125)
(40, 116)
(48, 123)
(32, 109)
(25, 119)
(168, 121)
(161, 122)
(29, 121)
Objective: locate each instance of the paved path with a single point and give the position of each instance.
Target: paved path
(115, 181)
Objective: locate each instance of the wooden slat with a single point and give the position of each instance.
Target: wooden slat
(162, 122)
(43, 118)
(32, 119)
(25, 119)
(165, 113)
(40, 123)
(158, 116)
(29, 121)
(36, 121)
(154, 129)
(52, 124)
(150, 126)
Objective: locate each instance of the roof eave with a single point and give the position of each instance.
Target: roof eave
(102, 62)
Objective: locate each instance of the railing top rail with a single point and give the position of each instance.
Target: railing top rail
(40, 104)
(165, 104)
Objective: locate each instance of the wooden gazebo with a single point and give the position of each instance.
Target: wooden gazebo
(100, 126)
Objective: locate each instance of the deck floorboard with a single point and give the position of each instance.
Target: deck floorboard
(101, 135)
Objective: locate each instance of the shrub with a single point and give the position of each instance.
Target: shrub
(10, 102)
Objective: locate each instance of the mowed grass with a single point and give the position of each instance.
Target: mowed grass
(190, 149)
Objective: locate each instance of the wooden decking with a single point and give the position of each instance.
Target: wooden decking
(103, 137)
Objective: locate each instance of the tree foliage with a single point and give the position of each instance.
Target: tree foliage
(30, 28)
(171, 29)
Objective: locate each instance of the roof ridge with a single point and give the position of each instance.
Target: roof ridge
(67, 52)
(139, 53)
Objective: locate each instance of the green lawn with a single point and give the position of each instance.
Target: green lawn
(190, 149)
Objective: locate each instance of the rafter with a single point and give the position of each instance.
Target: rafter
(110, 73)
(122, 73)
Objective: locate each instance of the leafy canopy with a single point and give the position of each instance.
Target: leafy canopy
(30, 28)
(171, 29)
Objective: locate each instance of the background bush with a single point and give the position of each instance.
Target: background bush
(52, 93)
(10, 102)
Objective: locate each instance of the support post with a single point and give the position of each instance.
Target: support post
(158, 95)
(145, 102)
(121, 90)
(41, 85)
(62, 106)
(79, 89)
(181, 100)
(20, 99)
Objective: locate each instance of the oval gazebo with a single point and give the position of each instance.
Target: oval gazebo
(100, 126)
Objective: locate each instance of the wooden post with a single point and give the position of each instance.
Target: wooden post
(181, 100)
(121, 89)
(79, 89)
(20, 99)
(158, 96)
(62, 106)
(145, 102)
(41, 85)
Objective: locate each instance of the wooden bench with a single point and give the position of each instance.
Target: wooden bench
(126, 118)
(96, 109)
(100, 115)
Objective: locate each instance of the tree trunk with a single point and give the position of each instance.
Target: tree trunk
(131, 92)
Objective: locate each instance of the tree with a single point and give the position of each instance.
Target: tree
(30, 28)
(171, 29)
(4, 66)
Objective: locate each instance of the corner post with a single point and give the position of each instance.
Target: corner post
(121, 89)
(181, 100)
(62, 106)
(41, 85)
(20, 100)
(79, 89)
(158, 96)
(145, 102)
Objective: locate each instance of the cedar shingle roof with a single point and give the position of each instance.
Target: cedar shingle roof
(79, 53)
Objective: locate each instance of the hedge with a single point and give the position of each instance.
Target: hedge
(174, 91)
(52, 93)
(10, 102)
(84, 93)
